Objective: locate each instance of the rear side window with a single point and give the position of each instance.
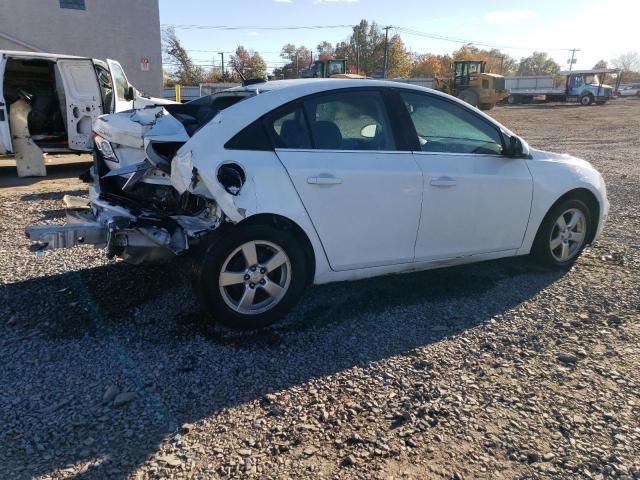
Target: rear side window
(252, 137)
(350, 121)
(444, 126)
(287, 127)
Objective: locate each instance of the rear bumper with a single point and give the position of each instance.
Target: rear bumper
(82, 228)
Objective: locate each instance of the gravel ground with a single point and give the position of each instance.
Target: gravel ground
(494, 370)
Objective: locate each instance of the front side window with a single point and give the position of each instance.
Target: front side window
(349, 121)
(444, 126)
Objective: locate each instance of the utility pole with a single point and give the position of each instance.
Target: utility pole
(386, 51)
(222, 55)
(573, 53)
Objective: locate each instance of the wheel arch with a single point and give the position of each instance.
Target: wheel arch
(588, 197)
(283, 223)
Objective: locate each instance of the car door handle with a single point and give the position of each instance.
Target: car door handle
(324, 180)
(443, 182)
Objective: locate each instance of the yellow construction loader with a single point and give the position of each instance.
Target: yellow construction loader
(469, 82)
(335, 68)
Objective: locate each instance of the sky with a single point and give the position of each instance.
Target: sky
(601, 30)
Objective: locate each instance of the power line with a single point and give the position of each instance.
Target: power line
(434, 36)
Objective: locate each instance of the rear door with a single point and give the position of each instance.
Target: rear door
(121, 86)
(362, 192)
(83, 100)
(5, 133)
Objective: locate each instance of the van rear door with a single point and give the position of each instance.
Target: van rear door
(120, 85)
(83, 100)
(5, 132)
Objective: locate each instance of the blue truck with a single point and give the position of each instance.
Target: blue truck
(583, 86)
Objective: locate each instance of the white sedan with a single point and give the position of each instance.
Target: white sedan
(630, 90)
(278, 185)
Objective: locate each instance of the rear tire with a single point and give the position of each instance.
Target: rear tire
(250, 276)
(563, 234)
(469, 96)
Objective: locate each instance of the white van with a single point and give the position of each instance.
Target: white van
(59, 97)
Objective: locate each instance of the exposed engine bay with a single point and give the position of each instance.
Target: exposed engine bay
(133, 209)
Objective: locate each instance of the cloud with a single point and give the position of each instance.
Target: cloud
(502, 17)
(253, 34)
(283, 1)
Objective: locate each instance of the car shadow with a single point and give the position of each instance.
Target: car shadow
(145, 321)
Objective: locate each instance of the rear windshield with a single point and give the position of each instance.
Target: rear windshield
(197, 113)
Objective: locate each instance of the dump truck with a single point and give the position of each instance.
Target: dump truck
(469, 82)
(583, 86)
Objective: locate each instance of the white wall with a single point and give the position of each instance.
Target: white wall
(124, 30)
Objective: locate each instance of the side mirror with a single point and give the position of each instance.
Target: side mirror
(516, 148)
(130, 94)
(369, 131)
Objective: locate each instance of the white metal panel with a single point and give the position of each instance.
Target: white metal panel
(83, 99)
(365, 205)
(120, 86)
(5, 131)
(483, 208)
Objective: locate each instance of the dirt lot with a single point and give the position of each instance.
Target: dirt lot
(495, 370)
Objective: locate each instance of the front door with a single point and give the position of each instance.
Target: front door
(83, 100)
(5, 132)
(121, 87)
(476, 200)
(362, 194)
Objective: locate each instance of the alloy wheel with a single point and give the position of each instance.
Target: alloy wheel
(568, 235)
(255, 277)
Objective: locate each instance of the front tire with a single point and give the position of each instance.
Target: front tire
(469, 96)
(586, 100)
(563, 234)
(250, 276)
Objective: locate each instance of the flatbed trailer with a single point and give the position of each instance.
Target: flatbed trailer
(583, 86)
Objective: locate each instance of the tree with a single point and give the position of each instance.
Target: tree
(629, 61)
(248, 63)
(497, 61)
(325, 50)
(296, 59)
(538, 64)
(600, 64)
(399, 59)
(182, 69)
(429, 66)
(364, 49)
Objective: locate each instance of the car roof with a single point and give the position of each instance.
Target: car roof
(271, 95)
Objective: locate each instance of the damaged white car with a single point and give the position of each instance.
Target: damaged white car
(278, 185)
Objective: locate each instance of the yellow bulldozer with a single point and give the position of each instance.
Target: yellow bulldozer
(469, 82)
